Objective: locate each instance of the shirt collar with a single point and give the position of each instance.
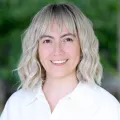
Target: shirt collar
(83, 93)
(34, 94)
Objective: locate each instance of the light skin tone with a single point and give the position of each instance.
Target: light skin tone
(59, 53)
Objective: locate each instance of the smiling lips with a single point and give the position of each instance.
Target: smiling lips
(59, 62)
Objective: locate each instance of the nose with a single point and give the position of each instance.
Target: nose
(58, 49)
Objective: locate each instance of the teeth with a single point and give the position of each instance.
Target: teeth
(59, 61)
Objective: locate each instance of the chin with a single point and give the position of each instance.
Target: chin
(60, 74)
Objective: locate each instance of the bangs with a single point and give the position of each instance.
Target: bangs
(55, 13)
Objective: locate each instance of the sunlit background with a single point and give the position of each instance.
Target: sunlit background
(15, 16)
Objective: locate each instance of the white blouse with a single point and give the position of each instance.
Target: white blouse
(86, 102)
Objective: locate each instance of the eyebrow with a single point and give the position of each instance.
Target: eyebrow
(43, 36)
(67, 34)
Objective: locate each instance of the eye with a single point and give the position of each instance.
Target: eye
(68, 40)
(47, 41)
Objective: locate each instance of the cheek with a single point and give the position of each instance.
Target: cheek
(44, 52)
(73, 51)
(43, 56)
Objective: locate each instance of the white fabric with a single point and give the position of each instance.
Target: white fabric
(86, 102)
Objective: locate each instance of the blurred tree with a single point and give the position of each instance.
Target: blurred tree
(118, 43)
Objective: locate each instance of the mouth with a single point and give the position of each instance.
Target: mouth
(59, 62)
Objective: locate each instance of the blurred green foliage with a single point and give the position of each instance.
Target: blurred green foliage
(15, 16)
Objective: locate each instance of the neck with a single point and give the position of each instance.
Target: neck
(61, 85)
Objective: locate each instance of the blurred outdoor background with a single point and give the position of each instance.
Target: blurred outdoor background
(15, 16)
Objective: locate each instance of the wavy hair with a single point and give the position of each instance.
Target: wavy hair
(30, 70)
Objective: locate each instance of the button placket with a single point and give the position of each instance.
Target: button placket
(57, 112)
(42, 98)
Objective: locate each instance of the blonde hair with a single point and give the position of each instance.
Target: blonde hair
(31, 71)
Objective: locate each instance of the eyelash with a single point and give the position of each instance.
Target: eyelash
(65, 40)
(47, 41)
(68, 40)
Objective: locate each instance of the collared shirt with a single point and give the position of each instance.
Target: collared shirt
(86, 102)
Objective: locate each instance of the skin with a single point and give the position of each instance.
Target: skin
(60, 78)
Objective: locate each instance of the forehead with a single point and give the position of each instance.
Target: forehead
(55, 27)
(61, 28)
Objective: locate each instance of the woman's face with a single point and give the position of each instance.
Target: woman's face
(59, 52)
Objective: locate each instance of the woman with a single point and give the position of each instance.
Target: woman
(60, 70)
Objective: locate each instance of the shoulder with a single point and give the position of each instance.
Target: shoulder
(98, 96)
(105, 96)
(16, 103)
(105, 101)
(19, 99)
(98, 93)
(108, 105)
(21, 96)
(99, 102)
